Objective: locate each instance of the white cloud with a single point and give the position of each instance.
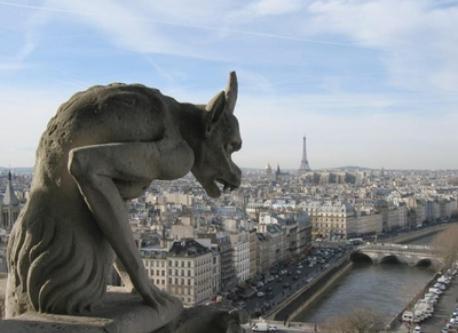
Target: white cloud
(419, 43)
(125, 24)
(31, 26)
(274, 7)
(25, 114)
(342, 129)
(416, 43)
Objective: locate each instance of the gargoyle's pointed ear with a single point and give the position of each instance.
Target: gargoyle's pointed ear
(231, 92)
(224, 101)
(215, 108)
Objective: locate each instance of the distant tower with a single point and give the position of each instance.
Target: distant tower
(11, 205)
(278, 174)
(268, 170)
(304, 162)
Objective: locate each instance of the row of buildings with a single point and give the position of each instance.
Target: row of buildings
(337, 220)
(195, 263)
(196, 247)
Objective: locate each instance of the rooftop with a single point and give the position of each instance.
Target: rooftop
(187, 248)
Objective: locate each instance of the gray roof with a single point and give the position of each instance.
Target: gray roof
(187, 248)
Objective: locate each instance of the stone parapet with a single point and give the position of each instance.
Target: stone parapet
(122, 312)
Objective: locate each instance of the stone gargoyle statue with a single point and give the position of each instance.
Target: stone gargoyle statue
(103, 147)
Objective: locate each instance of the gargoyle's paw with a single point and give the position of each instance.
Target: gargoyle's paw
(170, 301)
(152, 302)
(152, 299)
(174, 306)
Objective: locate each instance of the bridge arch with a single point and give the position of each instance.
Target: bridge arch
(359, 257)
(424, 262)
(390, 259)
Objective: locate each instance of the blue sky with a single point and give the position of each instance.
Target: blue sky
(371, 83)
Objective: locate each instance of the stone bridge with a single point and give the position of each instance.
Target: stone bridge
(412, 255)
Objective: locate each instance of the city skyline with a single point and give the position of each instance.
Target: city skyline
(371, 83)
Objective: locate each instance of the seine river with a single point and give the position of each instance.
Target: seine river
(384, 289)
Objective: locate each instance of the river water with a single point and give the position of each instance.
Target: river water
(384, 289)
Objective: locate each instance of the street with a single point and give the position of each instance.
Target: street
(285, 279)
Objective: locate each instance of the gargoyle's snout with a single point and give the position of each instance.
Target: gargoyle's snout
(237, 176)
(234, 180)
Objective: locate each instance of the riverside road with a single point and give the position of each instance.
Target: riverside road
(284, 280)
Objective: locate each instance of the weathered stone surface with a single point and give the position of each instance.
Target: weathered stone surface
(118, 312)
(103, 147)
(121, 312)
(208, 319)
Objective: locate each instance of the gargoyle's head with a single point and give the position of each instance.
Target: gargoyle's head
(213, 163)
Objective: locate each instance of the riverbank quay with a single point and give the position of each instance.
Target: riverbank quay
(281, 326)
(396, 322)
(442, 312)
(311, 292)
(410, 236)
(443, 309)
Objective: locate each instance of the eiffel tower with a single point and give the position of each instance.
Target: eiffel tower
(304, 162)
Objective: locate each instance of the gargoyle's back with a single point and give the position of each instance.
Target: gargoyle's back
(101, 114)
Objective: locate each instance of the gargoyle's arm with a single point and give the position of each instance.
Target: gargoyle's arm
(95, 170)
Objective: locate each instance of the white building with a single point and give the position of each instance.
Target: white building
(363, 223)
(190, 272)
(241, 254)
(155, 263)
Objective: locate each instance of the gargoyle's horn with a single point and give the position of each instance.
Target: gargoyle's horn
(231, 92)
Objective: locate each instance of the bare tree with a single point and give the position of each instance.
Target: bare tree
(446, 244)
(358, 321)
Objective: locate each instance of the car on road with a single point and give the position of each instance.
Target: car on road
(273, 328)
(264, 327)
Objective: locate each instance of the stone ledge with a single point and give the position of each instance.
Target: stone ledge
(119, 312)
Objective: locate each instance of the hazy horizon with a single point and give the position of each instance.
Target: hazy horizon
(370, 83)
